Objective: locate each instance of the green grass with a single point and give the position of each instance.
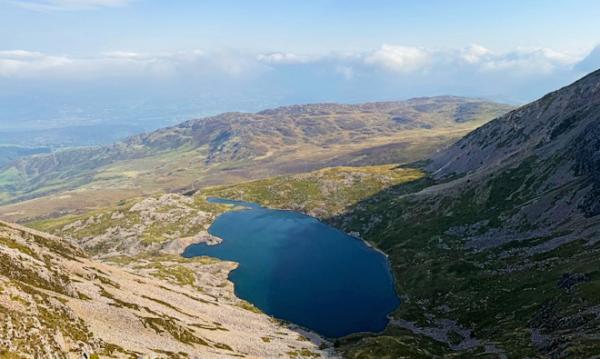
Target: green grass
(177, 274)
(248, 306)
(324, 193)
(303, 353)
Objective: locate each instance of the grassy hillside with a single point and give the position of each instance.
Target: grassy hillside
(534, 297)
(236, 147)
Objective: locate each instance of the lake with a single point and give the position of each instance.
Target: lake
(298, 269)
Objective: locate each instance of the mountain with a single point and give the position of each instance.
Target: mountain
(232, 147)
(500, 254)
(543, 159)
(494, 241)
(55, 302)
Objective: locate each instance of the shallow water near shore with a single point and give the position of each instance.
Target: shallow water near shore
(301, 270)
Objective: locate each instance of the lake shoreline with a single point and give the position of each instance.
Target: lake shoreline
(246, 220)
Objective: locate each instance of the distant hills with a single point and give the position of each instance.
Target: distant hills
(239, 146)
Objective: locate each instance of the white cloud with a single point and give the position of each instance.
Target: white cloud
(24, 63)
(19, 63)
(528, 61)
(474, 54)
(399, 58)
(284, 58)
(45, 5)
(124, 55)
(474, 58)
(405, 60)
(473, 70)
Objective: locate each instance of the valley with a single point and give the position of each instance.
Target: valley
(495, 248)
(492, 241)
(146, 235)
(336, 179)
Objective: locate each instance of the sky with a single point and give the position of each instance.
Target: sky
(150, 63)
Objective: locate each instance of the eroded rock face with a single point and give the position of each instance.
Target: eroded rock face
(57, 303)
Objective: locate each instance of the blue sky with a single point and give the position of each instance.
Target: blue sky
(68, 62)
(309, 26)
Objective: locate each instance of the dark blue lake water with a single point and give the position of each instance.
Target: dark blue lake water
(298, 269)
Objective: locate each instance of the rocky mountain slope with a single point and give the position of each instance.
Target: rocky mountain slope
(55, 302)
(166, 223)
(500, 254)
(542, 160)
(238, 146)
